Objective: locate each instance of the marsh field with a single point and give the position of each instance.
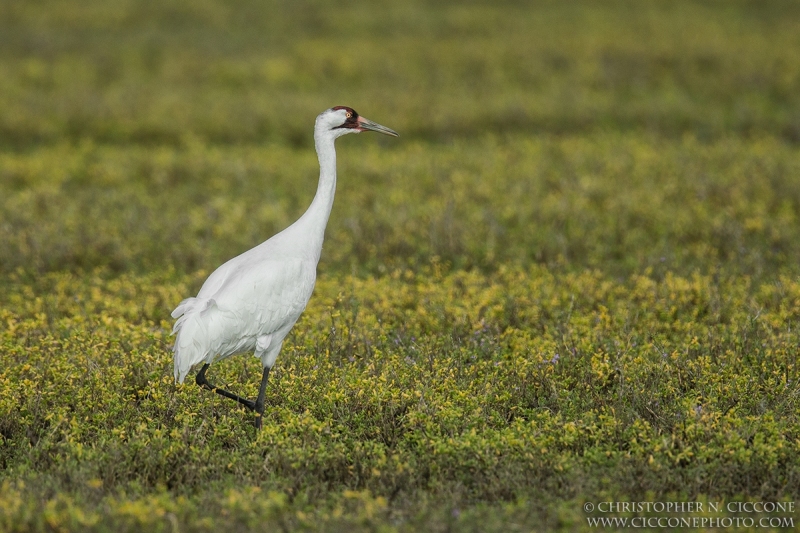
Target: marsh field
(574, 278)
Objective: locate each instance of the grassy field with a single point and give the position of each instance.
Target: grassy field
(574, 278)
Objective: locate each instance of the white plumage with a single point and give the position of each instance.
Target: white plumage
(251, 302)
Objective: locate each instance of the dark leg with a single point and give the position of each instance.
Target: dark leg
(259, 405)
(250, 404)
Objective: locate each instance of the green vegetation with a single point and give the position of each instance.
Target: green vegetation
(574, 278)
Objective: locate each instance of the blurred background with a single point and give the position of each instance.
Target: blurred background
(615, 135)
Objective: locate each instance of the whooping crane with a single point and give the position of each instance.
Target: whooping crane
(251, 302)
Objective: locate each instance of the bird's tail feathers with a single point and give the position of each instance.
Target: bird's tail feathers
(188, 350)
(183, 310)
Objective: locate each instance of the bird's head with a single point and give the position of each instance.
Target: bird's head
(341, 120)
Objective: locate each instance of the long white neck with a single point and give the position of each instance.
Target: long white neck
(315, 218)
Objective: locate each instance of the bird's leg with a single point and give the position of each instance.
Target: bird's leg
(203, 382)
(259, 405)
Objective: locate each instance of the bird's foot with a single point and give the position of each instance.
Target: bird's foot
(254, 405)
(201, 380)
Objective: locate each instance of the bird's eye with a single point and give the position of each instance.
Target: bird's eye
(349, 115)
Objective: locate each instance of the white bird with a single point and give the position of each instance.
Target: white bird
(251, 302)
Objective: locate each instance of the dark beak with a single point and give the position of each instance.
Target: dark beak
(364, 124)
